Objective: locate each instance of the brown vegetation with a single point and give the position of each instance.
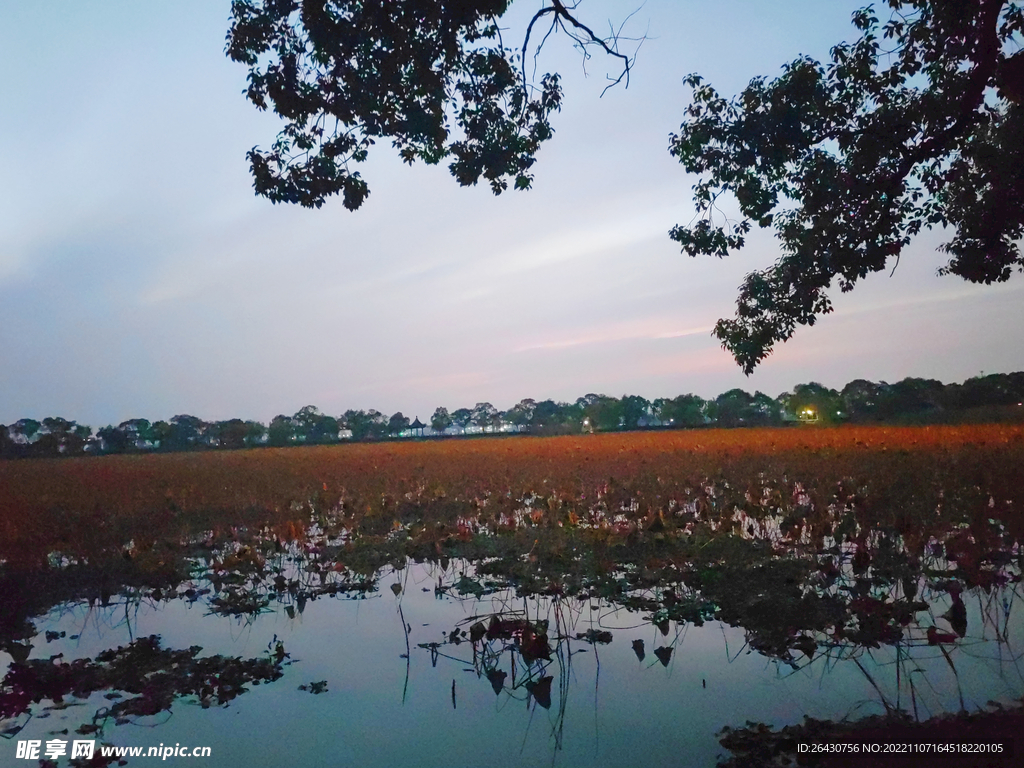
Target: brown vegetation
(821, 543)
(898, 475)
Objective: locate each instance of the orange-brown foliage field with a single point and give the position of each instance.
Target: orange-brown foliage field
(898, 474)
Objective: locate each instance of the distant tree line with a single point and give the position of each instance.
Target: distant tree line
(997, 396)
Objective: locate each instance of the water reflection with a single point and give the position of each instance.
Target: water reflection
(552, 610)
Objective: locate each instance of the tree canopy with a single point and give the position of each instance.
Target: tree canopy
(917, 124)
(434, 78)
(995, 397)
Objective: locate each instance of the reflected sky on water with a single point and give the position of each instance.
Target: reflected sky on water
(439, 706)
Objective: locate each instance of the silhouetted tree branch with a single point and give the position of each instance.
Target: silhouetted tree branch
(849, 162)
(434, 78)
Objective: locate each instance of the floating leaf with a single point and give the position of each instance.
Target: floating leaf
(957, 615)
(540, 690)
(534, 646)
(497, 679)
(595, 636)
(477, 631)
(638, 649)
(806, 645)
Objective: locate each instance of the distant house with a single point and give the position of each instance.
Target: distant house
(650, 421)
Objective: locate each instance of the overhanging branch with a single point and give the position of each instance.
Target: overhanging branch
(584, 37)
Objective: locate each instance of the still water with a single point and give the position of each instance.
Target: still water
(446, 662)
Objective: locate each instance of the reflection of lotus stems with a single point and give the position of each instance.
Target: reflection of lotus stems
(913, 695)
(408, 654)
(899, 669)
(952, 666)
(512, 630)
(885, 701)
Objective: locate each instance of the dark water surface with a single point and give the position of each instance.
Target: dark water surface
(442, 663)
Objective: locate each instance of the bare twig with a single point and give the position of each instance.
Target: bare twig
(583, 36)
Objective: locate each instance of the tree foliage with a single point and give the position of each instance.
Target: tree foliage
(398, 423)
(917, 124)
(434, 78)
(441, 419)
(485, 416)
(365, 425)
(995, 397)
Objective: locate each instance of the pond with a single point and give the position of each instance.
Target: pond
(470, 635)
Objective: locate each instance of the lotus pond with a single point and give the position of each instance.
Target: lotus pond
(694, 598)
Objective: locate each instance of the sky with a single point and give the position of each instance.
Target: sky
(141, 277)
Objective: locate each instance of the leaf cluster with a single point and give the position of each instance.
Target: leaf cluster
(917, 124)
(435, 78)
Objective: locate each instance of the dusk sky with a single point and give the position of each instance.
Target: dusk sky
(141, 277)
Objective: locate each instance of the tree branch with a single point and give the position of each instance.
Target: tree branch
(583, 35)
